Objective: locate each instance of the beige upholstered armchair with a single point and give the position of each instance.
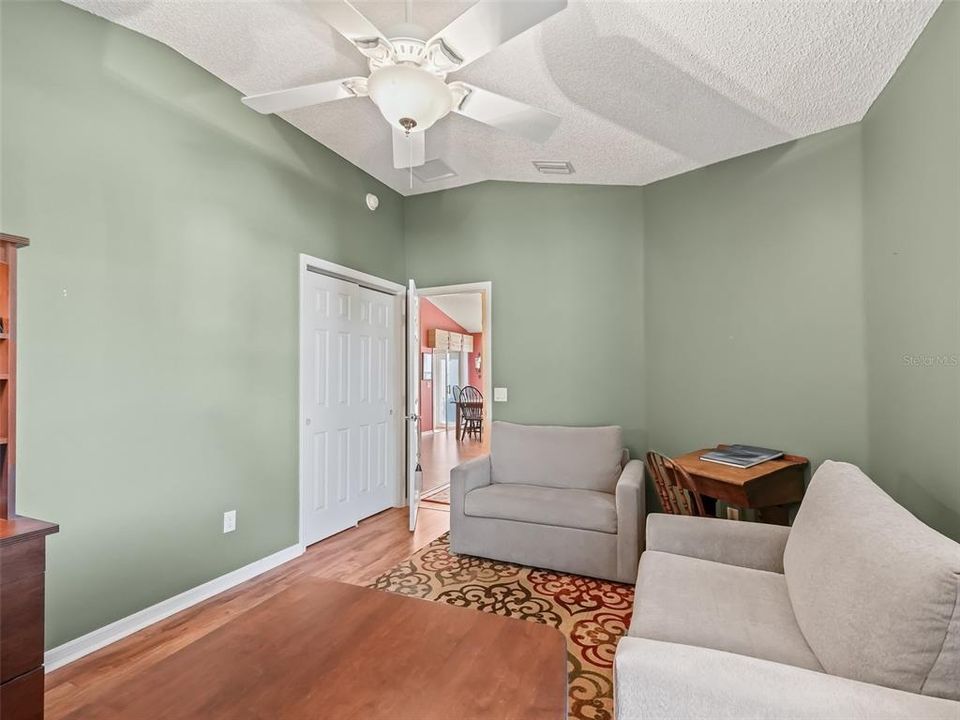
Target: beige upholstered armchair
(854, 612)
(563, 498)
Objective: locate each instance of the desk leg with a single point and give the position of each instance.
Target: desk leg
(774, 515)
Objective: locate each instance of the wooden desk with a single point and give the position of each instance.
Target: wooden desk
(324, 649)
(769, 488)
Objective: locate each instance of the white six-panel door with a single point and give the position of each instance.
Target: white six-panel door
(348, 451)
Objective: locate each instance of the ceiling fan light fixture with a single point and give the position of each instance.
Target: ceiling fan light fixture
(407, 80)
(409, 97)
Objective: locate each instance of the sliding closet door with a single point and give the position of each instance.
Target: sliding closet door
(347, 448)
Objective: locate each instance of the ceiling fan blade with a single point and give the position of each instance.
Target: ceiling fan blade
(408, 150)
(483, 27)
(298, 97)
(505, 113)
(354, 26)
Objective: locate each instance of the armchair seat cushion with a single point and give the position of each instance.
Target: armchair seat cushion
(580, 509)
(697, 602)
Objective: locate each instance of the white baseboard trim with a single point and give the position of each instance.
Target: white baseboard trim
(75, 649)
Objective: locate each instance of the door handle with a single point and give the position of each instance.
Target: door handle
(413, 417)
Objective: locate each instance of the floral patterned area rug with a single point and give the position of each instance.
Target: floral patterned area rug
(592, 614)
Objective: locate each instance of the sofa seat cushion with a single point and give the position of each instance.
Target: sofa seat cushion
(581, 509)
(697, 602)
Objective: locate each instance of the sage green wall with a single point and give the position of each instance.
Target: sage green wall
(808, 296)
(776, 298)
(566, 264)
(754, 301)
(911, 140)
(159, 306)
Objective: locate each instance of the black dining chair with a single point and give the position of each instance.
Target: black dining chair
(471, 412)
(455, 399)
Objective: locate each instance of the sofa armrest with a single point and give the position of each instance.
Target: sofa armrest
(654, 680)
(733, 542)
(631, 514)
(466, 477)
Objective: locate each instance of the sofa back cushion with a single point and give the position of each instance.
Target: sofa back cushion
(585, 458)
(875, 591)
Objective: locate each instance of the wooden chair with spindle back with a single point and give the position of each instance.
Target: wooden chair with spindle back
(471, 411)
(675, 488)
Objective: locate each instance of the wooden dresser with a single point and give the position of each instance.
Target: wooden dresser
(22, 552)
(22, 540)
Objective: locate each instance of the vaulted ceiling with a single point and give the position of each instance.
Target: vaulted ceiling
(645, 90)
(466, 309)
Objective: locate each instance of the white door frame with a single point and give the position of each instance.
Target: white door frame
(306, 264)
(486, 293)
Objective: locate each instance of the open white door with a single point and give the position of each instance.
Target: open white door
(414, 474)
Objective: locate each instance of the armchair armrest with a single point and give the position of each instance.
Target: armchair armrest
(631, 515)
(747, 544)
(466, 477)
(654, 680)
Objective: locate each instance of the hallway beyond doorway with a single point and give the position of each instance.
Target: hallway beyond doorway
(440, 452)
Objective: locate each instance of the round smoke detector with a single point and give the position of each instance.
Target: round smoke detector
(373, 202)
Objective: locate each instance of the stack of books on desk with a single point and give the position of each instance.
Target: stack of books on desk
(741, 456)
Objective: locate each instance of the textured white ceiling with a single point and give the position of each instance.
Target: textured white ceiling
(466, 309)
(646, 90)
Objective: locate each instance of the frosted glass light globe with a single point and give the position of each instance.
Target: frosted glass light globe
(405, 92)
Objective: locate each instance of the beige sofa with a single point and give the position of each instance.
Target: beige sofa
(562, 498)
(852, 613)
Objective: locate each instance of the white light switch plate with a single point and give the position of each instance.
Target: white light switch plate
(230, 521)
(499, 394)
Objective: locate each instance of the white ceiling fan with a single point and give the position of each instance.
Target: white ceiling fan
(407, 79)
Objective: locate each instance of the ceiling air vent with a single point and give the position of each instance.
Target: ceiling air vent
(433, 170)
(551, 167)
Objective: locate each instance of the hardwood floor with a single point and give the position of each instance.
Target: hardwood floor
(325, 649)
(439, 452)
(354, 556)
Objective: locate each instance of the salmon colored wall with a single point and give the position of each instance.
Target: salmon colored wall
(473, 377)
(433, 318)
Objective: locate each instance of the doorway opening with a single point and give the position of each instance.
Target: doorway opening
(455, 385)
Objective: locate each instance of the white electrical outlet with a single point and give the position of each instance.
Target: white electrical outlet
(230, 521)
(499, 394)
